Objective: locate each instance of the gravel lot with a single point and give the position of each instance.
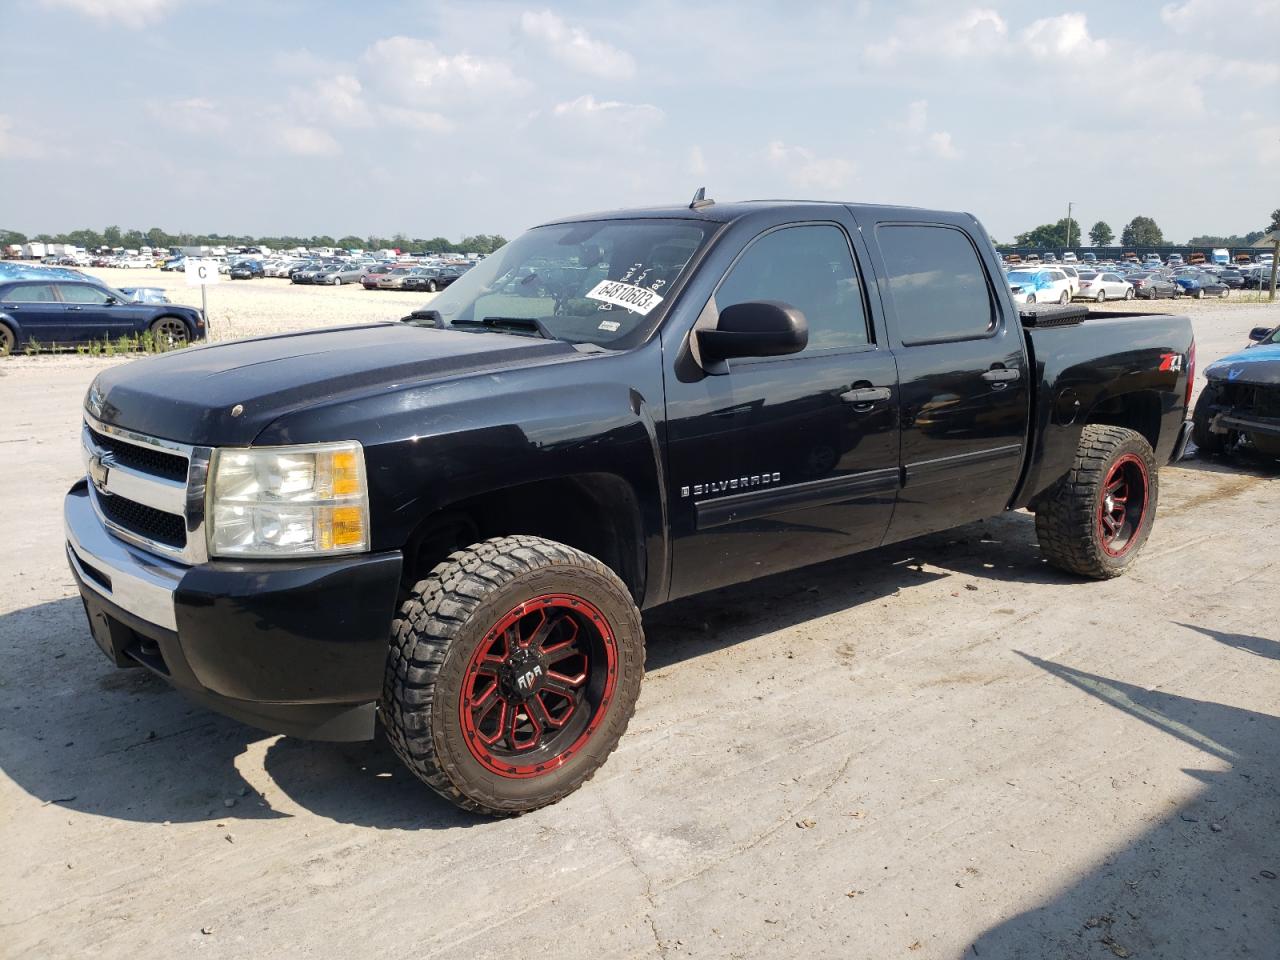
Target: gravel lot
(939, 749)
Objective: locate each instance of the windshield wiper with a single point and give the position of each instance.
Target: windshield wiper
(515, 325)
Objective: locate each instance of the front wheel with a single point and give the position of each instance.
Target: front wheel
(169, 333)
(7, 340)
(513, 671)
(1206, 441)
(431, 286)
(337, 281)
(1062, 300)
(1223, 294)
(1094, 521)
(1031, 298)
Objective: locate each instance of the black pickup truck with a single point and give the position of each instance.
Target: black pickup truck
(454, 521)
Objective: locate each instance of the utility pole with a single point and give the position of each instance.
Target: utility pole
(1068, 224)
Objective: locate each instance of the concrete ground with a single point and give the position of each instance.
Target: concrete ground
(939, 749)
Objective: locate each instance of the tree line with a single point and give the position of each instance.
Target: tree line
(113, 236)
(1141, 231)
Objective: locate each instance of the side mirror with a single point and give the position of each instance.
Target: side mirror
(1259, 333)
(758, 328)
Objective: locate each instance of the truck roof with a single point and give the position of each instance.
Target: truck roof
(727, 212)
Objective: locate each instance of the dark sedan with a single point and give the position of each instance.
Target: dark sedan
(1153, 286)
(246, 270)
(1232, 277)
(430, 279)
(1201, 284)
(67, 312)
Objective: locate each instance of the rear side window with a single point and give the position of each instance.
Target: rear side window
(32, 293)
(810, 268)
(938, 285)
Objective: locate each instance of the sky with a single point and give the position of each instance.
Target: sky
(304, 117)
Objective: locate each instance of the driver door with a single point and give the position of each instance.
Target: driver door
(779, 462)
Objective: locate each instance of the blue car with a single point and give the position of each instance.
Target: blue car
(53, 311)
(1201, 284)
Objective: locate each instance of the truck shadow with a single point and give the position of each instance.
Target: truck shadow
(123, 744)
(1201, 881)
(78, 733)
(1002, 548)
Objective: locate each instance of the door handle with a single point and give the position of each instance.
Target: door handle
(866, 394)
(1001, 375)
(74, 308)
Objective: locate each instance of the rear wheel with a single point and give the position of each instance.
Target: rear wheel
(1128, 294)
(1094, 521)
(169, 333)
(1100, 296)
(1199, 293)
(514, 669)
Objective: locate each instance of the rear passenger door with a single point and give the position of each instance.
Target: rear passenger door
(38, 311)
(962, 373)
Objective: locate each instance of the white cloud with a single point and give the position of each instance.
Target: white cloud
(1064, 37)
(128, 13)
(941, 145)
(195, 115)
(587, 107)
(307, 141)
(13, 146)
(419, 73)
(917, 116)
(575, 48)
(338, 100)
(806, 170)
(411, 119)
(697, 162)
(977, 30)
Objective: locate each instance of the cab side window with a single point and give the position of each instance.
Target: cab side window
(938, 284)
(809, 267)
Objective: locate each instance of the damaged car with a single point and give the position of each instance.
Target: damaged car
(1240, 404)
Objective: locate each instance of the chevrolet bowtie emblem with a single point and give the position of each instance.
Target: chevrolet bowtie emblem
(98, 470)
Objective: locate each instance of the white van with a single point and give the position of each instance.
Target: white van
(1221, 255)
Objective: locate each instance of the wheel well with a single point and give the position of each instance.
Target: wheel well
(595, 512)
(1138, 411)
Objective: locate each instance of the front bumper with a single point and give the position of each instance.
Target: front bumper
(292, 647)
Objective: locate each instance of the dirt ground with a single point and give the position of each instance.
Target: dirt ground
(938, 749)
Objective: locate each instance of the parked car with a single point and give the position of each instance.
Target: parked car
(133, 263)
(308, 272)
(145, 294)
(246, 270)
(1070, 257)
(340, 273)
(431, 279)
(1240, 401)
(1089, 257)
(69, 312)
(1153, 286)
(1200, 284)
(480, 510)
(1232, 277)
(369, 279)
(1104, 286)
(394, 278)
(1040, 285)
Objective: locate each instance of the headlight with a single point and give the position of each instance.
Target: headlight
(288, 501)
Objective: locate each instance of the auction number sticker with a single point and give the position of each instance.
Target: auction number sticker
(636, 299)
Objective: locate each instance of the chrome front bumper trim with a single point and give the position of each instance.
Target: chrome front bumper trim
(139, 582)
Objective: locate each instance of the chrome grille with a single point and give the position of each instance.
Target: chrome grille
(146, 490)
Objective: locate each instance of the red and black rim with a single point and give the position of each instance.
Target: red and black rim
(1123, 509)
(538, 685)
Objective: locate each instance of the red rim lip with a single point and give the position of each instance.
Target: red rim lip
(1132, 465)
(607, 643)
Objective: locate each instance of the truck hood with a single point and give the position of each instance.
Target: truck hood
(189, 396)
(1259, 365)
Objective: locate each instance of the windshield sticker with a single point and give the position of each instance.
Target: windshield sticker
(636, 299)
(609, 326)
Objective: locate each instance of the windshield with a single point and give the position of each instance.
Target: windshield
(591, 282)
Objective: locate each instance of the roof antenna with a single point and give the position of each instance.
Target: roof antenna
(700, 200)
